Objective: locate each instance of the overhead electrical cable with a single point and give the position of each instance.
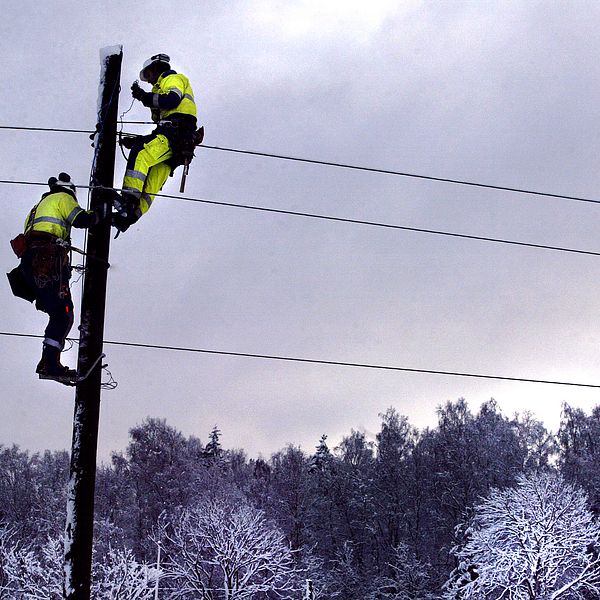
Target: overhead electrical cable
(342, 166)
(334, 363)
(353, 221)
(383, 225)
(404, 174)
(52, 129)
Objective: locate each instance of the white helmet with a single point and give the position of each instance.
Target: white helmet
(157, 58)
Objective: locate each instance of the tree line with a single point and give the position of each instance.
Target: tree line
(404, 516)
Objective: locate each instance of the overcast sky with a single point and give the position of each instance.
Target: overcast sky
(506, 93)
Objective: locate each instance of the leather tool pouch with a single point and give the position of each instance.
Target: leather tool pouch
(19, 285)
(19, 245)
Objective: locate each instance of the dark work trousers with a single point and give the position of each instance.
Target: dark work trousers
(47, 271)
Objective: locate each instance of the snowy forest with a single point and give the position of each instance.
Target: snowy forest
(480, 506)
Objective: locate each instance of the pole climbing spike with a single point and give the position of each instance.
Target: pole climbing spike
(85, 375)
(66, 379)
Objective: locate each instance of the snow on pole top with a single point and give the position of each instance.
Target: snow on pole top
(105, 54)
(109, 51)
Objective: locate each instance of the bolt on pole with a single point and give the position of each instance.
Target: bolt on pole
(80, 497)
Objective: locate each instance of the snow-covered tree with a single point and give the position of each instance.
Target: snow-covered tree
(537, 540)
(395, 443)
(36, 573)
(289, 501)
(408, 579)
(224, 548)
(458, 463)
(579, 458)
(324, 580)
(33, 574)
(322, 457)
(539, 444)
(213, 450)
(160, 470)
(348, 582)
(120, 577)
(353, 506)
(33, 491)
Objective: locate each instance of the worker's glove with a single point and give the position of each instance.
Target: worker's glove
(146, 98)
(129, 141)
(136, 91)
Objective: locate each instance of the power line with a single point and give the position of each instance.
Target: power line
(53, 129)
(343, 166)
(385, 225)
(352, 221)
(327, 362)
(43, 183)
(404, 174)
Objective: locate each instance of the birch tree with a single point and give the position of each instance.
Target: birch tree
(538, 540)
(224, 548)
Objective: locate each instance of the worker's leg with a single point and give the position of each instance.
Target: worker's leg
(141, 160)
(146, 173)
(60, 322)
(157, 176)
(134, 208)
(60, 313)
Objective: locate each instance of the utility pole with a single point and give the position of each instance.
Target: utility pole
(80, 497)
(157, 572)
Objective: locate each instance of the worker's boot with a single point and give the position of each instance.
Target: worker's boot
(50, 367)
(127, 211)
(121, 222)
(125, 203)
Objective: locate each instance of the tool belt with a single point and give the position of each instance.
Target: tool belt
(182, 135)
(49, 258)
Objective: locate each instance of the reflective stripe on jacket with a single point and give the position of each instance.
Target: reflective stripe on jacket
(54, 214)
(172, 82)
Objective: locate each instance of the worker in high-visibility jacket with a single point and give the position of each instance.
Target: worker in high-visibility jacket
(154, 157)
(44, 272)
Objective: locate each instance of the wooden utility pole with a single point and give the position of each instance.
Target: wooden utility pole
(80, 499)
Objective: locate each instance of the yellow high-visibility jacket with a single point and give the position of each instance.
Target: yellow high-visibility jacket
(169, 84)
(55, 214)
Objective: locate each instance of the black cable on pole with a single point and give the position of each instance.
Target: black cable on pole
(329, 362)
(53, 129)
(345, 166)
(10, 181)
(352, 221)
